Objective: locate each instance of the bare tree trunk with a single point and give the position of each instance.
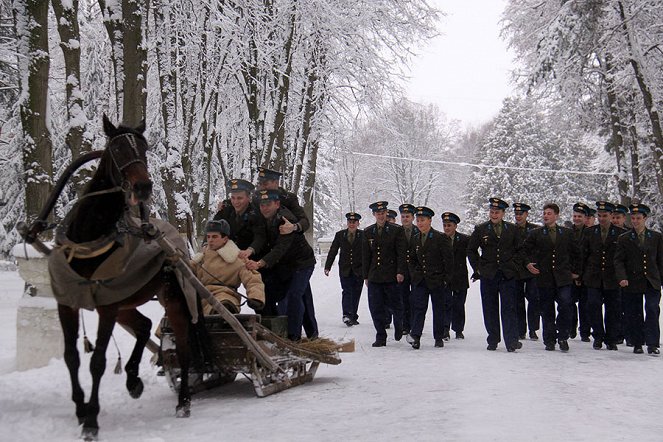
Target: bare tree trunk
(135, 63)
(31, 21)
(637, 61)
(617, 128)
(67, 24)
(115, 30)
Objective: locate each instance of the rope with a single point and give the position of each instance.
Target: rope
(482, 166)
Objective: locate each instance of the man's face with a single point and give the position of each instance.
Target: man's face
(496, 215)
(380, 217)
(423, 223)
(550, 217)
(521, 217)
(406, 219)
(264, 184)
(269, 208)
(449, 228)
(578, 219)
(638, 220)
(215, 240)
(605, 218)
(353, 224)
(240, 201)
(618, 219)
(590, 221)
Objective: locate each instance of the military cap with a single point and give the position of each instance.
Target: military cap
(265, 196)
(620, 208)
(591, 212)
(450, 217)
(424, 211)
(521, 207)
(605, 206)
(496, 203)
(218, 225)
(378, 206)
(268, 174)
(639, 208)
(352, 216)
(581, 208)
(406, 208)
(237, 185)
(392, 214)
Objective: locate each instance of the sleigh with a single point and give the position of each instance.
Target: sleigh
(295, 363)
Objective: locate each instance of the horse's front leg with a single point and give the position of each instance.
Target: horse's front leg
(107, 318)
(69, 322)
(141, 327)
(178, 316)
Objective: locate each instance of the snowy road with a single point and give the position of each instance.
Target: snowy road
(459, 393)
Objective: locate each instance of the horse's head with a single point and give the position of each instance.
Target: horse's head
(127, 158)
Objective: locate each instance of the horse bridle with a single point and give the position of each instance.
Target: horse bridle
(121, 163)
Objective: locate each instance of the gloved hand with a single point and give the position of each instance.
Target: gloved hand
(255, 304)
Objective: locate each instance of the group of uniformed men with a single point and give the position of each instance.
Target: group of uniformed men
(256, 239)
(581, 269)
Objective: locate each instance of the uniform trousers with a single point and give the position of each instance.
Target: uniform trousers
(297, 297)
(526, 289)
(644, 329)
(604, 329)
(555, 328)
(498, 296)
(383, 297)
(406, 297)
(454, 311)
(420, 295)
(351, 287)
(579, 317)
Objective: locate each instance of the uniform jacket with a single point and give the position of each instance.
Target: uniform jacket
(246, 230)
(349, 261)
(290, 201)
(523, 273)
(221, 272)
(598, 258)
(284, 254)
(459, 277)
(555, 261)
(496, 253)
(383, 257)
(639, 264)
(431, 262)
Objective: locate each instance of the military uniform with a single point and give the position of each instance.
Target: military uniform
(639, 260)
(497, 268)
(526, 286)
(383, 258)
(556, 255)
(598, 277)
(405, 287)
(288, 199)
(350, 269)
(456, 291)
(431, 261)
(247, 229)
(290, 262)
(579, 316)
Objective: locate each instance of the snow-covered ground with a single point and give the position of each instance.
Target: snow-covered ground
(459, 393)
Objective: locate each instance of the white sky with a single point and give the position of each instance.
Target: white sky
(466, 70)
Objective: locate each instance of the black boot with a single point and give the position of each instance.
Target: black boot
(637, 349)
(416, 343)
(564, 346)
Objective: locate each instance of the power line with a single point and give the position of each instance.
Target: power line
(482, 166)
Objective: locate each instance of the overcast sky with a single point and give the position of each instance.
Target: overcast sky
(466, 70)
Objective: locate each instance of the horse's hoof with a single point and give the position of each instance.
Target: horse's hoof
(89, 434)
(183, 410)
(137, 389)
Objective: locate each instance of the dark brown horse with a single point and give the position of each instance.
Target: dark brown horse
(121, 180)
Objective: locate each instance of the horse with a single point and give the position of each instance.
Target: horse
(121, 181)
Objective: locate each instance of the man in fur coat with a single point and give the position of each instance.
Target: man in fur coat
(220, 269)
